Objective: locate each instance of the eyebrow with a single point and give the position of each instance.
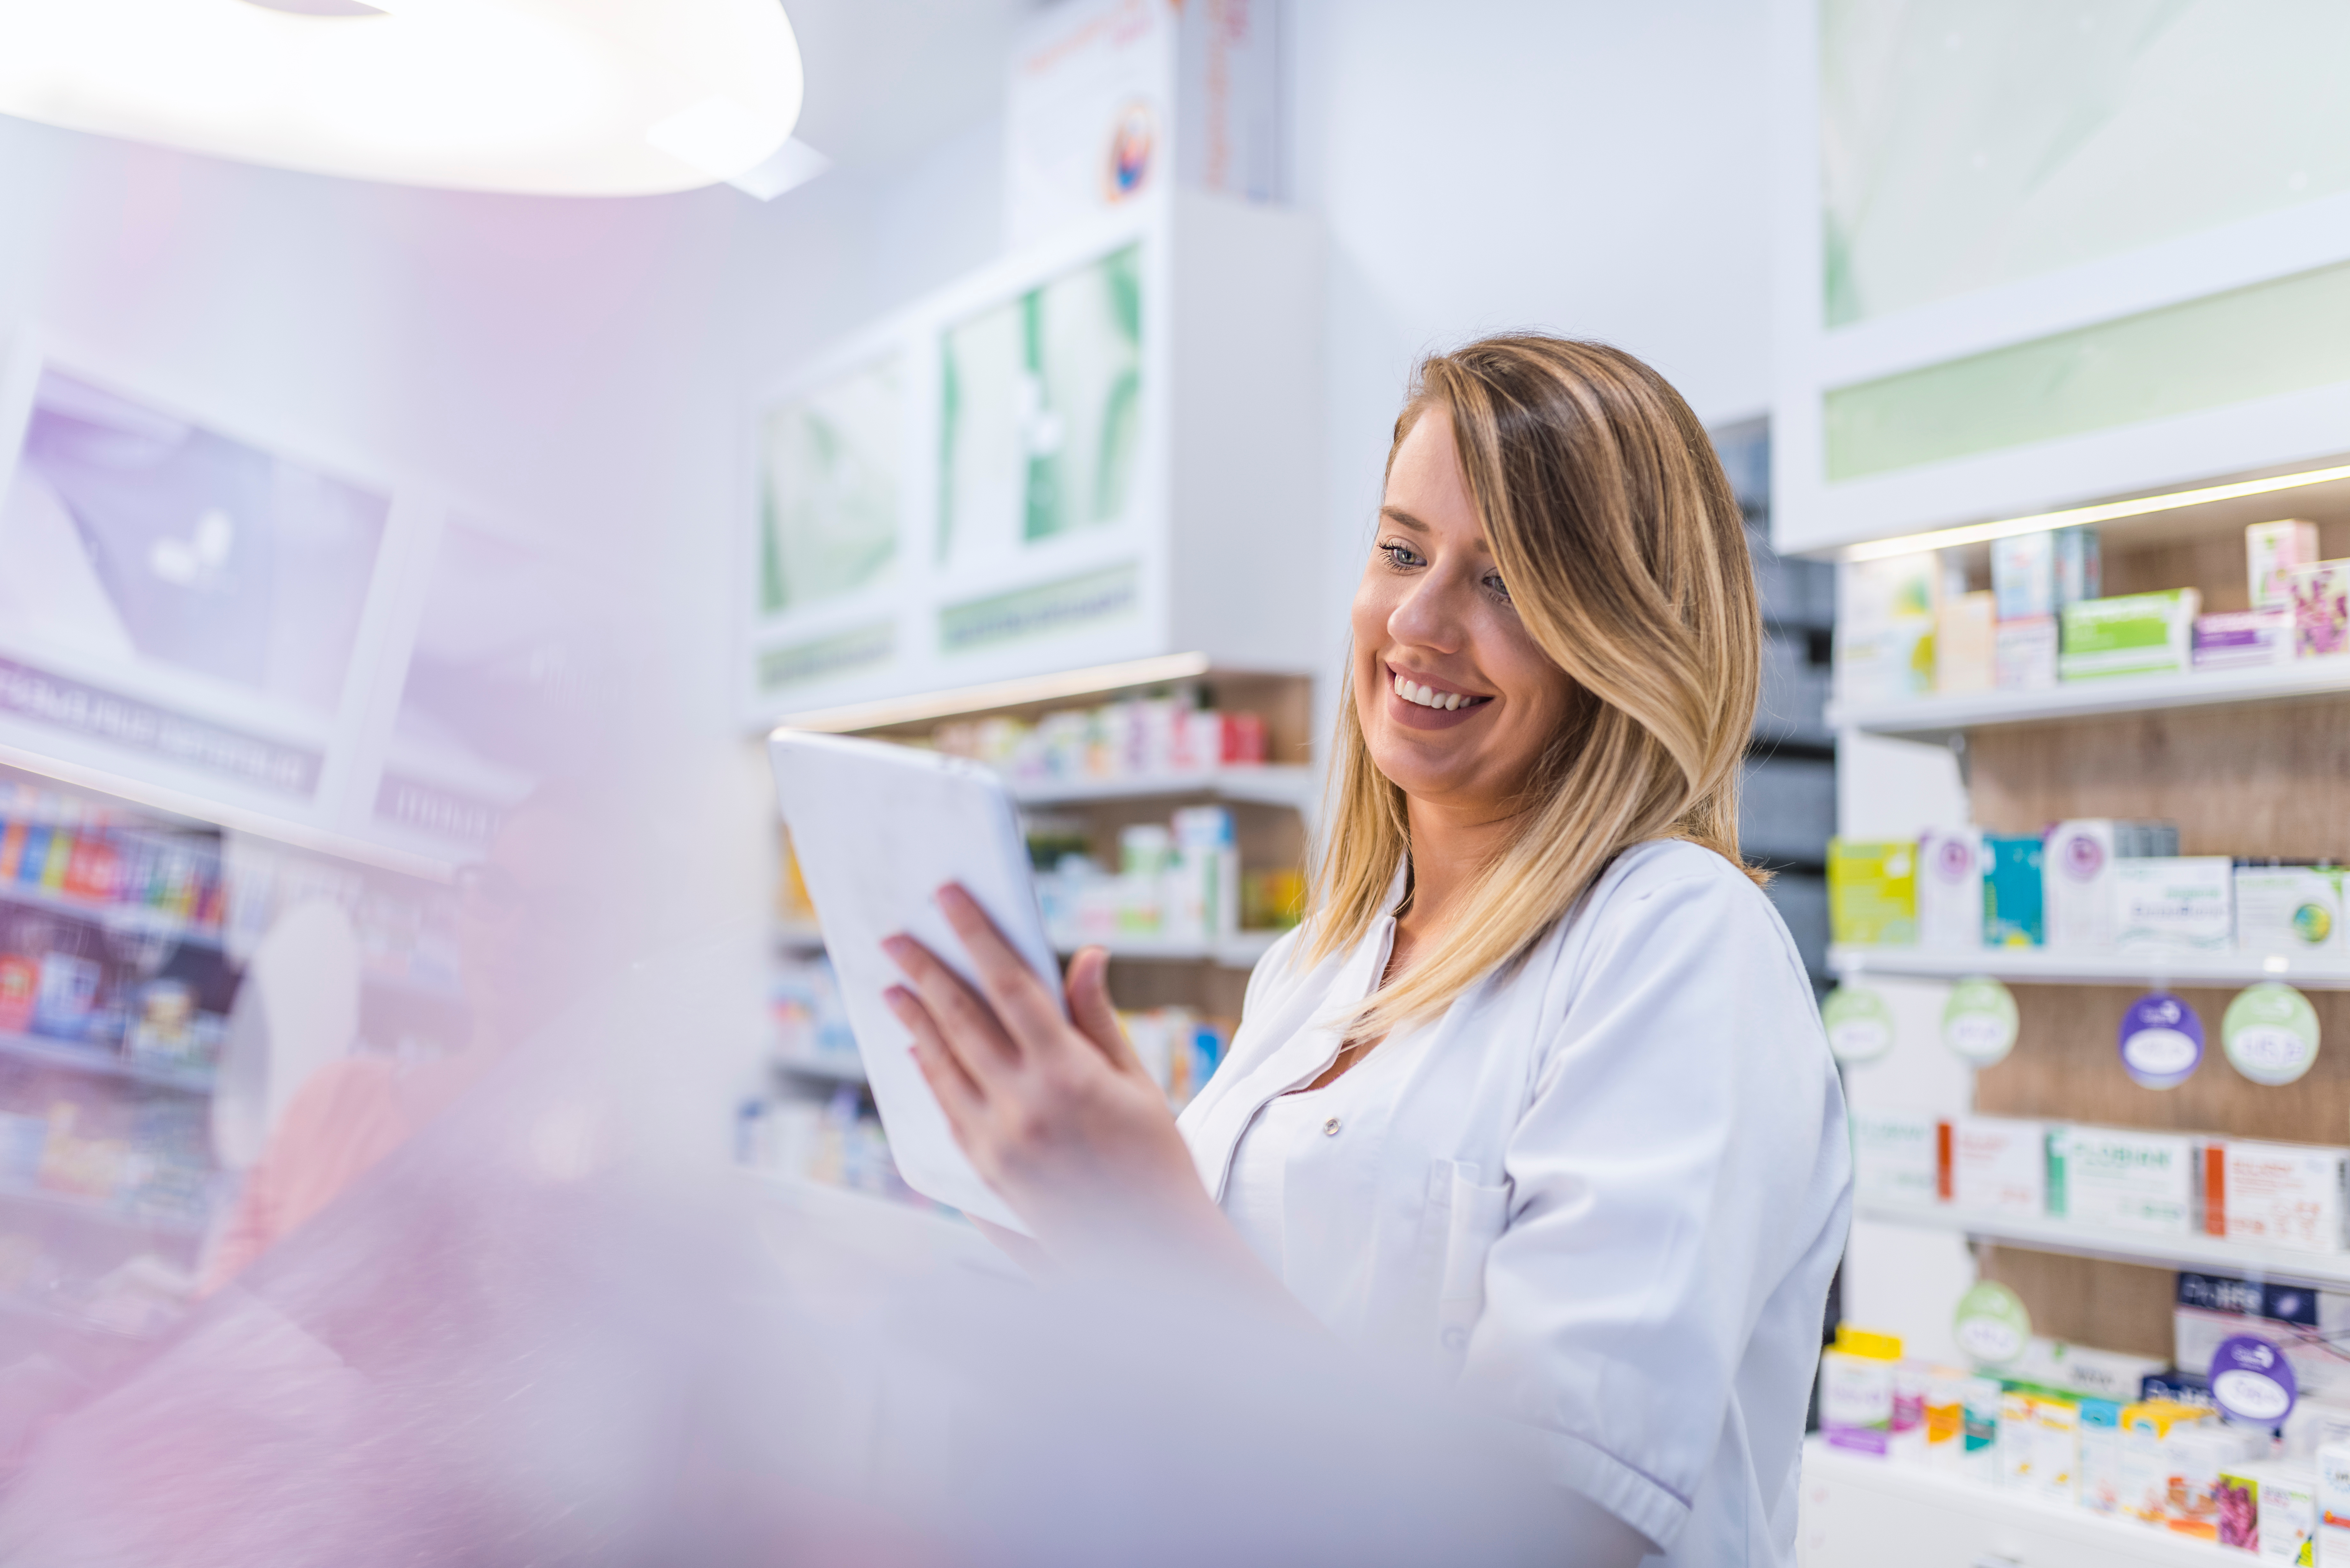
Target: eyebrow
(1403, 519)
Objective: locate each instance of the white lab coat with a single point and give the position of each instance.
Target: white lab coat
(1607, 1189)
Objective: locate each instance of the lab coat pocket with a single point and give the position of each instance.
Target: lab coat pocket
(1474, 1216)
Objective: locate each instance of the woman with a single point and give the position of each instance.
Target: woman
(1539, 1090)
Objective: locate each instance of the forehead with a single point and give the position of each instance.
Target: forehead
(1426, 491)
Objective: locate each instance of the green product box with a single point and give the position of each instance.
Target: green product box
(1873, 893)
(2133, 634)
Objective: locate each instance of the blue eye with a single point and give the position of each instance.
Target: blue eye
(1499, 590)
(1401, 555)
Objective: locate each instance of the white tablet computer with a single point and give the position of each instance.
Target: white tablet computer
(878, 828)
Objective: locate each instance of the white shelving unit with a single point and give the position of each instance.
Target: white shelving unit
(1297, 788)
(2039, 966)
(1934, 717)
(1861, 1511)
(1239, 950)
(2202, 1255)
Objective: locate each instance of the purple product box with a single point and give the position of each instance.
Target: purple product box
(2236, 639)
(2320, 607)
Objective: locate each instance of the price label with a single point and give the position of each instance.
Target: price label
(2269, 1033)
(2161, 1041)
(1859, 1023)
(1978, 1021)
(2252, 1381)
(1992, 1324)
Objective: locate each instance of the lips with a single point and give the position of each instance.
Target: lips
(1430, 694)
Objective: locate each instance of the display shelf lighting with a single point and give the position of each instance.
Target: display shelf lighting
(2108, 512)
(573, 98)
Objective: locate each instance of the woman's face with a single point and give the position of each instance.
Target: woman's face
(1455, 699)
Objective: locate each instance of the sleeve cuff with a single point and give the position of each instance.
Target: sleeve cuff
(1638, 1499)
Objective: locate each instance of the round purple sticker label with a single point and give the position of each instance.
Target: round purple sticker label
(2161, 1041)
(2081, 856)
(1955, 859)
(2252, 1380)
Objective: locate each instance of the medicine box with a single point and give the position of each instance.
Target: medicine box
(2076, 884)
(2023, 575)
(2080, 565)
(2024, 654)
(1885, 634)
(2013, 892)
(2100, 1488)
(1896, 1155)
(2172, 904)
(2321, 608)
(2241, 640)
(1991, 1165)
(2281, 1500)
(2056, 1447)
(1872, 892)
(2114, 1179)
(2306, 1323)
(1950, 888)
(1963, 643)
(2133, 634)
(2333, 1503)
(2289, 909)
(1857, 1379)
(2271, 550)
(2083, 1370)
(2149, 1428)
(2278, 1194)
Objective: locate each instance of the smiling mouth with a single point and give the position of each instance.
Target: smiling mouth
(1428, 696)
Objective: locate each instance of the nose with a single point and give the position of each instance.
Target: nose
(1431, 616)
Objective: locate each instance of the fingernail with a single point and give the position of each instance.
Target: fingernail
(896, 947)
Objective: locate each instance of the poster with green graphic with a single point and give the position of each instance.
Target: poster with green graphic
(829, 465)
(1041, 413)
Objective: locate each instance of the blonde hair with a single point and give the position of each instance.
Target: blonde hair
(1608, 515)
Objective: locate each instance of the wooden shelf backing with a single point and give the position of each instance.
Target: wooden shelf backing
(2202, 1255)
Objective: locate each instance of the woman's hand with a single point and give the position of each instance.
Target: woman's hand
(1056, 1114)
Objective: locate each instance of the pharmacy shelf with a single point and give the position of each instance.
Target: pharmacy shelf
(1861, 1511)
(1298, 788)
(2201, 1254)
(1938, 718)
(102, 1061)
(99, 1212)
(840, 1066)
(2040, 966)
(133, 918)
(1239, 950)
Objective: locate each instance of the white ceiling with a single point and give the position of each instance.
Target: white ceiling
(888, 77)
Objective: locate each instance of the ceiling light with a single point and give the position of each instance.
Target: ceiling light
(2107, 512)
(575, 98)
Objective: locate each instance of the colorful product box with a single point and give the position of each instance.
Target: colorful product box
(1894, 1155)
(2084, 1369)
(1991, 1165)
(2321, 608)
(2289, 911)
(1964, 643)
(1885, 635)
(2145, 1183)
(2278, 1194)
(2101, 1478)
(2244, 640)
(2148, 1429)
(2272, 551)
(2023, 575)
(2333, 1503)
(2056, 1447)
(2019, 1438)
(2013, 892)
(1950, 888)
(1872, 892)
(2024, 654)
(2080, 567)
(2199, 1455)
(2306, 1324)
(2270, 1508)
(2076, 882)
(1856, 1385)
(1945, 1419)
(2171, 904)
(1978, 1459)
(2133, 634)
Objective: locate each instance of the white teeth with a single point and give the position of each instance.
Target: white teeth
(1452, 701)
(1428, 696)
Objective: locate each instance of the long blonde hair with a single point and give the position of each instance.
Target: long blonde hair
(1625, 554)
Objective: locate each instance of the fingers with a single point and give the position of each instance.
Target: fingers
(1029, 1010)
(965, 1021)
(957, 1092)
(1090, 1008)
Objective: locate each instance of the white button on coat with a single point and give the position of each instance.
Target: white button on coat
(1609, 1187)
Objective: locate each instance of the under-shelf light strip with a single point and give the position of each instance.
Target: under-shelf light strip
(1000, 694)
(1979, 533)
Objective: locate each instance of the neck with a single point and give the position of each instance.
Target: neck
(1449, 846)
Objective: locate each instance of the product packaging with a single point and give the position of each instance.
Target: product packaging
(2019, 1438)
(1950, 888)
(1885, 641)
(2080, 567)
(2244, 640)
(1872, 892)
(2024, 654)
(2116, 1180)
(2272, 551)
(1978, 1459)
(1906, 1438)
(2056, 1447)
(2101, 1478)
(2198, 1454)
(1945, 1419)
(1202, 901)
(1995, 1165)
(2287, 910)
(1856, 1377)
(2174, 904)
(2023, 575)
(2133, 634)
(2013, 892)
(2333, 1503)
(2148, 1428)
(2270, 1508)
(2321, 608)
(1894, 1156)
(2308, 1325)
(2084, 1369)
(1964, 644)
(20, 982)
(2077, 885)
(2313, 1423)
(2278, 1194)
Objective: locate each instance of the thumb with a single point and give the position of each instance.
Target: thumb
(1090, 1008)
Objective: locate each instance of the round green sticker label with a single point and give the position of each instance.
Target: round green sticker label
(1859, 1023)
(1991, 1325)
(2269, 1034)
(1978, 1021)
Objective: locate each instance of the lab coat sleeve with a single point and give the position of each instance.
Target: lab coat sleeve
(1663, 1185)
